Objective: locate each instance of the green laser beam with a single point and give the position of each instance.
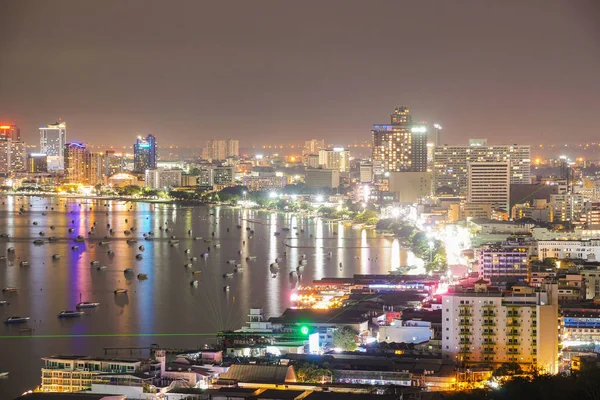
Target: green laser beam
(92, 335)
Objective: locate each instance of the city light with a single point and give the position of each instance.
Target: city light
(419, 129)
(272, 195)
(320, 198)
(304, 330)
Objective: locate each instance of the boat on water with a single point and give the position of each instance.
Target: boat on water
(95, 262)
(101, 267)
(128, 270)
(194, 283)
(24, 263)
(4, 235)
(56, 256)
(4, 303)
(226, 288)
(188, 265)
(197, 237)
(131, 241)
(196, 273)
(2, 257)
(3, 374)
(204, 255)
(38, 241)
(104, 243)
(228, 275)
(148, 238)
(139, 257)
(86, 304)
(194, 258)
(10, 250)
(230, 261)
(75, 248)
(16, 320)
(120, 291)
(70, 314)
(250, 258)
(79, 239)
(217, 246)
(238, 268)
(52, 238)
(9, 289)
(142, 276)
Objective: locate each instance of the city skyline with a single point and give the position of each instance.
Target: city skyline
(318, 77)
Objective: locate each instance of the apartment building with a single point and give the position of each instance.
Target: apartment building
(487, 326)
(503, 260)
(75, 373)
(580, 249)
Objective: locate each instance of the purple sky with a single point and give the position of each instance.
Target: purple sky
(268, 71)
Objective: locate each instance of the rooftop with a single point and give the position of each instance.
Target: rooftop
(307, 316)
(252, 373)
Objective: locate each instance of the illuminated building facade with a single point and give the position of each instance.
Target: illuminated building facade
(219, 150)
(53, 139)
(450, 163)
(486, 325)
(161, 178)
(37, 162)
(317, 178)
(113, 163)
(76, 163)
(402, 145)
(503, 260)
(337, 158)
(12, 150)
(489, 183)
(145, 155)
(313, 146)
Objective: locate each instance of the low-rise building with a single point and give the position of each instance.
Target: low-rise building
(503, 260)
(163, 178)
(318, 178)
(579, 249)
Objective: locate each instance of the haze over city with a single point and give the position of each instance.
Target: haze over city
(511, 71)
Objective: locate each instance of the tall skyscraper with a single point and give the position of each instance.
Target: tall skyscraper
(12, 150)
(337, 158)
(53, 139)
(313, 146)
(10, 131)
(402, 145)
(450, 163)
(76, 163)
(113, 163)
(37, 162)
(219, 150)
(144, 154)
(489, 182)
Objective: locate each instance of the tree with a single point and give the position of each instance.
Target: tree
(312, 373)
(345, 338)
(508, 369)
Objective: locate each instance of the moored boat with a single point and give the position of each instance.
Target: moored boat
(86, 304)
(9, 289)
(142, 276)
(120, 291)
(16, 320)
(128, 270)
(70, 314)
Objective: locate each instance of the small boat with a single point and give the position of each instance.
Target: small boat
(230, 261)
(3, 374)
(148, 238)
(226, 288)
(238, 268)
(176, 244)
(173, 241)
(228, 275)
(52, 238)
(207, 240)
(4, 235)
(250, 258)
(95, 262)
(16, 320)
(24, 263)
(10, 250)
(120, 291)
(101, 268)
(217, 246)
(4, 303)
(104, 243)
(139, 257)
(74, 247)
(86, 304)
(187, 251)
(196, 273)
(131, 241)
(127, 232)
(274, 265)
(194, 283)
(42, 233)
(188, 265)
(79, 239)
(71, 230)
(197, 237)
(38, 241)
(128, 270)
(193, 258)
(141, 277)
(9, 289)
(70, 314)
(204, 255)
(141, 248)
(277, 234)
(56, 256)
(110, 253)
(2, 257)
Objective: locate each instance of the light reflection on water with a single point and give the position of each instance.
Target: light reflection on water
(165, 302)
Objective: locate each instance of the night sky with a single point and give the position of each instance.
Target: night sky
(269, 71)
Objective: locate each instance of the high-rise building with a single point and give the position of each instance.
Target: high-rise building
(313, 146)
(366, 172)
(489, 182)
(219, 150)
(96, 170)
(337, 158)
(450, 163)
(487, 325)
(10, 131)
(113, 163)
(402, 145)
(76, 163)
(145, 155)
(37, 162)
(319, 178)
(53, 139)
(12, 150)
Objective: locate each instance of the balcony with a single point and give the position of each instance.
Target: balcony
(512, 343)
(465, 333)
(513, 314)
(464, 350)
(465, 322)
(488, 323)
(465, 314)
(515, 324)
(512, 333)
(489, 314)
(488, 333)
(489, 350)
